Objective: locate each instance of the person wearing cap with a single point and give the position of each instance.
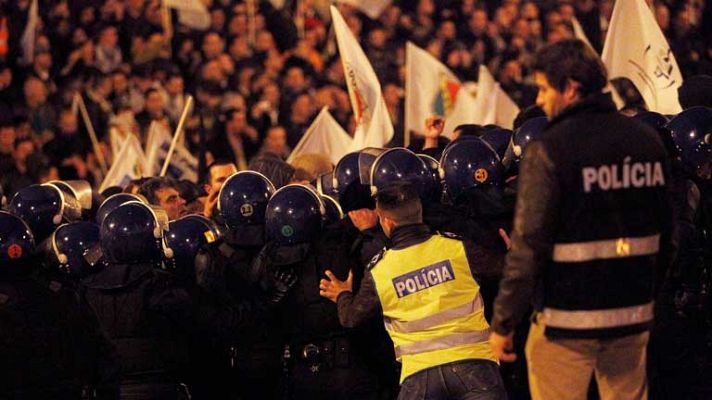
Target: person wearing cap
(426, 287)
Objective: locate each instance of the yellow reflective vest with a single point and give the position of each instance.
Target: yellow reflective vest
(432, 307)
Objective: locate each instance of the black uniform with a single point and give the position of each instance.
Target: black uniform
(326, 361)
(50, 347)
(593, 216)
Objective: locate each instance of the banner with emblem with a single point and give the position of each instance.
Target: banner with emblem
(183, 164)
(636, 49)
(129, 164)
(432, 89)
(324, 136)
(374, 127)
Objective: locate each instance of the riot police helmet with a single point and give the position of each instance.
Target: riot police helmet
(402, 165)
(469, 163)
(68, 245)
(529, 131)
(17, 243)
(186, 236)
(294, 215)
(45, 207)
(134, 233)
(691, 131)
(243, 199)
(114, 201)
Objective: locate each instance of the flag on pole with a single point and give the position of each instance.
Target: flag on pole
(372, 8)
(636, 49)
(374, 127)
(183, 165)
(324, 136)
(28, 36)
(493, 104)
(432, 89)
(191, 13)
(579, 33)
(507, 109)
(129, 164)
(116, 140)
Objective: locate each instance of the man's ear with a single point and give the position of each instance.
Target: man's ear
(571, 91)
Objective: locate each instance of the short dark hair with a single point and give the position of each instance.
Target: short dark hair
(219, 162)
(571, 59)
(470, 130)
(400, 202)
(150, 187)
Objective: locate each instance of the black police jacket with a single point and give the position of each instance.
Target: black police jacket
(592, 223)
(50, 347)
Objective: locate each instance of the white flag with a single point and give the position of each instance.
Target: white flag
(183, 165)
(579, 33)
(324, 136)
(28, 36)
(129, 164)
(432, 89)
(374, 127)
(636, 49)
(191, 13)
(116, 140)
(372, 8)
(493, 105)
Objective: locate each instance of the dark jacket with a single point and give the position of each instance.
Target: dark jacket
(50, 347)
(585, 230)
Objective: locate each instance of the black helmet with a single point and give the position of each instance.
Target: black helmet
(332, 210)
(498, 138)
(80, 190)
(133, 233)
(651, 118)
(243, 199)
(434, 167)
(114, 201)
(469, 163)
(44, 207)
(402, 165)
(294, 215)
(530, 130)
(186, 236)
(351, 192)
(68, 245)
(16, 240)
(692, 133)
(325, 185)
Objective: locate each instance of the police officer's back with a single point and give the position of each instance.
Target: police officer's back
(49, 346)
(138, 306)
(592, 224)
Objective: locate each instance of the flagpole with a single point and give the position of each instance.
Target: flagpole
(406, 131)
(92, 133)
(176, 135)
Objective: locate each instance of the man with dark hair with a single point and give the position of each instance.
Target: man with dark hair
(218, 172)
(591, 229)
(426, 287)
(163, 192)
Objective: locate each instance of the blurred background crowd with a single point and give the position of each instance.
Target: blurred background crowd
(260, 73)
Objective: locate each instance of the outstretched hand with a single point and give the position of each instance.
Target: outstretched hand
(333, 287)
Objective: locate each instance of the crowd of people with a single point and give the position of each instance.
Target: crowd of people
(269, 279)
(259, 76)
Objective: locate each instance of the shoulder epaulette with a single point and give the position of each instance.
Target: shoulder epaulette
(376, 259)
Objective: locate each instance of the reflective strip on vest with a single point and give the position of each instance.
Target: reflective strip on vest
(606, 249)
(598, 319)
(436, 319)
(445, 342)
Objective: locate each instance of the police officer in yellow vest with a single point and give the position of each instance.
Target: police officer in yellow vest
(425, 286)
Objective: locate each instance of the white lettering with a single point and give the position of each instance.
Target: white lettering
(418, 283)
(433, 277)
(615, 179)
(410, 285)
(604, 177)
(400, 287)
(446, 274)
(626, 172)
(658, 177)
(636, 175)
(589, 177)
(648, 174)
